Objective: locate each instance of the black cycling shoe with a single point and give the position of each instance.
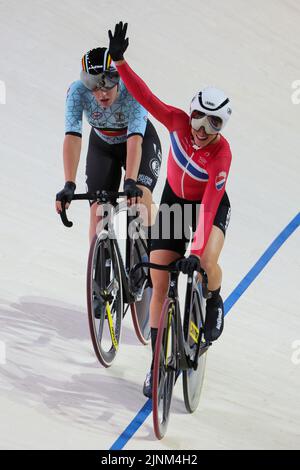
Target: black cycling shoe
(214, 321)
(147, 388)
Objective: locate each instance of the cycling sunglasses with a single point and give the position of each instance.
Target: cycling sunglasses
(215, 121)
(103, 81)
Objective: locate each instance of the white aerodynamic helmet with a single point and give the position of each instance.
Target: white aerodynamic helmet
(211, 109)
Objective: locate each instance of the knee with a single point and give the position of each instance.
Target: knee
(160, 287)
(208, 264)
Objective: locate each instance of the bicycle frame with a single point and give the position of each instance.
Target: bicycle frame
(183, 361)
(132, 221)
(109, 199)
(202, 346)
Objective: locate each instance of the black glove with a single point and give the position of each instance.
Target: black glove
(66, 195)
(117, 42)
(189, 265)
(131, 189)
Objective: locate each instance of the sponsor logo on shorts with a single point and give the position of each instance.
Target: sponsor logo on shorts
(228, 218)
(155, 167)
(145, 180)
(221, 180)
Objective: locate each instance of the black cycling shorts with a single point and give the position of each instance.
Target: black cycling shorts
(105, 161)
(174, 229)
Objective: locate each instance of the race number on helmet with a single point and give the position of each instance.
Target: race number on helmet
(98, 70)
(211, 109)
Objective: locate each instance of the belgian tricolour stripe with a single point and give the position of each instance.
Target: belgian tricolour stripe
(107, 60)
(85, 67)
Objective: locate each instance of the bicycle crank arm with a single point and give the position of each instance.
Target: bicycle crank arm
(111, 327)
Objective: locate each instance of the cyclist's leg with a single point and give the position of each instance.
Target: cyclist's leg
(168, 244)
(148, 208)
(160, 282)
(166, 247)
(214, 322)
(103, 171)
(210, 257)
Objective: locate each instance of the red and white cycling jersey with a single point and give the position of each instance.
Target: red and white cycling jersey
(193, 173)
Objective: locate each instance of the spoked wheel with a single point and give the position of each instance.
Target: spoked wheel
(193, 379)
(164, 370)
(104, 298)
(140, 309)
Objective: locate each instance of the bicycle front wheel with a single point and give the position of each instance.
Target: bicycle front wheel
(193, 379)
(104, 298)
(164, 369)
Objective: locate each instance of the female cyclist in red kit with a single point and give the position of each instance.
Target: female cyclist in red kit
(198, 166)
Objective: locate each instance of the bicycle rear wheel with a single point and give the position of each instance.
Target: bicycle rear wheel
(104, 298)
(164, 369)
(140, 309)
(193, 379)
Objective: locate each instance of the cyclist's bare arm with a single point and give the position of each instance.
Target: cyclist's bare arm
(71, 157)
(133, 158)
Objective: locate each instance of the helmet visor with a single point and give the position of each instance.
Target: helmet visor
(215, 123)
(103, 81)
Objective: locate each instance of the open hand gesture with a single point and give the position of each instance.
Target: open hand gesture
(118, 42)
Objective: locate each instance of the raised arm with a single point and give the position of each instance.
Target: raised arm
(136, 86)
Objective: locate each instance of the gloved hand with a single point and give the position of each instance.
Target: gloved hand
(65, 195)
(117, 42)
(189, 265)
(131, 189)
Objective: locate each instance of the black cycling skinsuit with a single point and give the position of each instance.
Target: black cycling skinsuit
(105, 161)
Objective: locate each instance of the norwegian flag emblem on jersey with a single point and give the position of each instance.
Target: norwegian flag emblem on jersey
(221, 180)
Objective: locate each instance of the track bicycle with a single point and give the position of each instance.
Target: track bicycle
(180, 346)
(109, 287)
